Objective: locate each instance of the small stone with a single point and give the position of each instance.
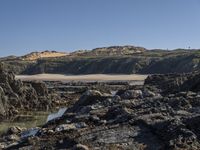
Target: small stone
(14, 130)
(50, 131)
(129, 94)
(148, 93)
(80, 147)
(65, 127)
(116, 98)
(81, 125)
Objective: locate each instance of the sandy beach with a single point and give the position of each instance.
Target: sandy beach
(92, 77)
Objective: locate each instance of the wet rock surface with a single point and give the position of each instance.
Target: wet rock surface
(149, 117)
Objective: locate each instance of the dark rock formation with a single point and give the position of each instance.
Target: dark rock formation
(16, 95)
(40, 88)
(172, 83)
(149, 117)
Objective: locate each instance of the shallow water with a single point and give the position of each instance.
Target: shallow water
(26, 120)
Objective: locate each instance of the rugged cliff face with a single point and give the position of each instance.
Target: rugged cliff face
(115, 65)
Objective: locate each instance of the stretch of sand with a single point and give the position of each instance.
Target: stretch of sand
(91, 77)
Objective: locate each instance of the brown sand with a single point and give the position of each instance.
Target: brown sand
(92, 77)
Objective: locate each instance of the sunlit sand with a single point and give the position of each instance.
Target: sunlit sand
(92, 77)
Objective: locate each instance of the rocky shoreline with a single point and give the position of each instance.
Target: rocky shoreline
(161, 114)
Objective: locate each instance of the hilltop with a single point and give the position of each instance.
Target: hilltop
(106, 60)
(110, 51)
(101, 51)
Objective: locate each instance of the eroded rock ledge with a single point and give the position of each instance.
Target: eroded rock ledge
(16, 95)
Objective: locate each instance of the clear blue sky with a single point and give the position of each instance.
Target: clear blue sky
(66, 25)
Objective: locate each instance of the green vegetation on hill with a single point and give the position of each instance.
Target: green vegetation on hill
(110, 60)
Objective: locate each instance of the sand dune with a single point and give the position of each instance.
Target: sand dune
(45, 54)
(92, 77)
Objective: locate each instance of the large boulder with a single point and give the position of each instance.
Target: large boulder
(173, 83)
(90, 97)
